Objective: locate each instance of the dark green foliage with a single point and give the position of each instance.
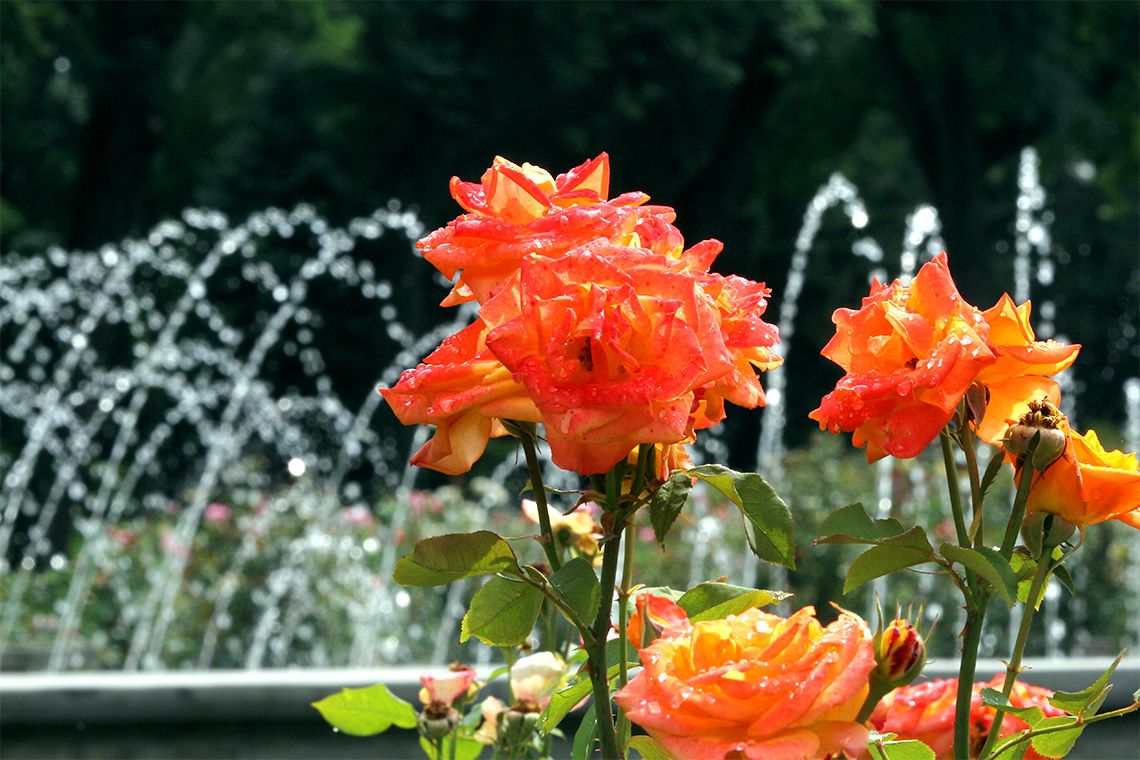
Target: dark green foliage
(116, 115)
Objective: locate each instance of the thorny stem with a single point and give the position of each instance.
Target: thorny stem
(623, 608)
(977, 526)
(1018, 512)
(548, 545)
(976, 601)
(1013, 668)
(955, 493)
(974, 618)
(596, 651)
(596, 648)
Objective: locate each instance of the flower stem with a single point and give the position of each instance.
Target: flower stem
(955, 492)
(548, 545)
(623, 608)
(977, 524)
(1013, 668)
(1017, 514)
(611, 550)
(975, 615)
(976, 601)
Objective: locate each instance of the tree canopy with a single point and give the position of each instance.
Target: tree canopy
(117, 115)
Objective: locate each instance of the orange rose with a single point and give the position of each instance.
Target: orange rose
(614, 345)
(1023, 695)
(925, 712)
(754, 685)
(1021, 371)
(463, 390)
(910, 354)
(1087, 484)
(521, 210)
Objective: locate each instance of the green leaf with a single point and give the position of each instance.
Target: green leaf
(502, 613)
(852, 525)
(909, 749)
(712, 601)
(366, 712)
(466, 748)
(1078, 702)
(895, 553)
(1031, 715)
(584, 736)
(1057, 743)
(567, 698)
(667, 502)
(563, 701)
(987, 563)
(1013, 752)
(448, 558)
(772, 535)
(648, 749)
(578, 585)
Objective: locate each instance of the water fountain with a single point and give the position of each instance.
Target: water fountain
(109, 388)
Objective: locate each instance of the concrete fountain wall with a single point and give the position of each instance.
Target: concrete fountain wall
(266, 713)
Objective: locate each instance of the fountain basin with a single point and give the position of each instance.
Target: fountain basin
(266, 713)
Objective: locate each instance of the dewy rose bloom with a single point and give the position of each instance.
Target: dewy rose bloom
(463, 390)
(912, 351)
(925, 712)
(910, 354)
(754, 685)
(617, 346)
(1088, 484)
(1022, 367)
(611, 335)
(516, 211)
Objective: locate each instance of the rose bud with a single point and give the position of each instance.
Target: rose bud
(437, 720)
(1043, 419)
(900, 653)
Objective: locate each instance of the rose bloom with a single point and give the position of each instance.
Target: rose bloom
(1088, 484)
(446, 687)
(617, 346)
(753, 685)
(925, 712)
(536, 677)
(580, 526)
(1021, 370)
(464, 391)
(516, 211)
(910, 354)
(488, 732)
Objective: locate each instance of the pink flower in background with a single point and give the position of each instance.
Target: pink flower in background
(359, 517)
(171, 545)
(216, 513)
(446, 687)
